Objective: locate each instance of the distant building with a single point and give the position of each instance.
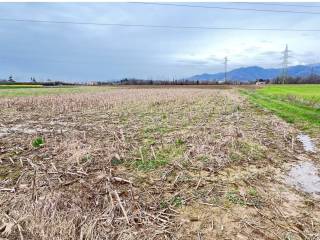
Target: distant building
(262, 81)
(93, 83)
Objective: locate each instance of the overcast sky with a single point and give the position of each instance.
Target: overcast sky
(88, 53)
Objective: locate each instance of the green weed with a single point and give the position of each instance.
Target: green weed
(235, 198)
(244, 150)
(85, 159)
(151, 159)
(252, 192)
(177, 201)
(38, 142)
(163, 204)
(179, 142)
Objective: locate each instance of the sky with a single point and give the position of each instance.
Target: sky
(83, 53)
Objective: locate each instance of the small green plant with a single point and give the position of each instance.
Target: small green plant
(179, 142)
(149, 141)
(203, 158)
(216, 200)
(177, 201)
(234, 156)
(38, 142)
(163, 205)
(233, 197)
(116, 161)
(164, 116)
(252, 192)
(85, 158)
(150, 164)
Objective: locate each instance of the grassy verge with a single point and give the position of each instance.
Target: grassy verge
(297, 104)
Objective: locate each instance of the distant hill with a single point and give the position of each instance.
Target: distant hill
(255, 72)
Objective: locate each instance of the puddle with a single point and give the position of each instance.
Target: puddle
(307, 143)
(20, 128)
(24, 128)
(305, 177)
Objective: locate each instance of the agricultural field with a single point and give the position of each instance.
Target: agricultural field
(16, 86)
(39, 90)
(154, 163)
(298, 104)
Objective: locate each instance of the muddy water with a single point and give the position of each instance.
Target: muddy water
(307, 143)
(305, 177)
(20, 128)
(24, 128)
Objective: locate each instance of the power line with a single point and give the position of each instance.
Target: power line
(159, 26)
(279, 4)
(226, 8)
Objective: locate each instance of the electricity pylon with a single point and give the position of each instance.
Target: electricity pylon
(285, 65)
(225, 68)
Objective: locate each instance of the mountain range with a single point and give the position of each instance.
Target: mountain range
(252, 73)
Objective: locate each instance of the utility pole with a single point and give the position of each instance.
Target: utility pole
(225, 68)
(285, 65)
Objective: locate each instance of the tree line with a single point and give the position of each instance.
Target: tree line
(133, 81)
(311, 79)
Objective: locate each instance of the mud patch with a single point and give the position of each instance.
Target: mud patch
(206, 222)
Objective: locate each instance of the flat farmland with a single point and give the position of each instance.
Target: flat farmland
(39, 90)
(298, 104)
(150, 163)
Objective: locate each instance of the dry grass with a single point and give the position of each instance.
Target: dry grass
(160, 163)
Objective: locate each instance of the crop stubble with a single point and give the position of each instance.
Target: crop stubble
(151, 164)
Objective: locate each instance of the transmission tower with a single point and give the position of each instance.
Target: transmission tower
(225, 68)
(312, 73)
(285, 65)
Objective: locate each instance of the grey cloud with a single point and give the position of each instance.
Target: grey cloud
(271, 53)
(84, 52)
(193, 62)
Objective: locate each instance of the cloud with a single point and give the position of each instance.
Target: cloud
(87, 52)
(193, 62)
(270, 53)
